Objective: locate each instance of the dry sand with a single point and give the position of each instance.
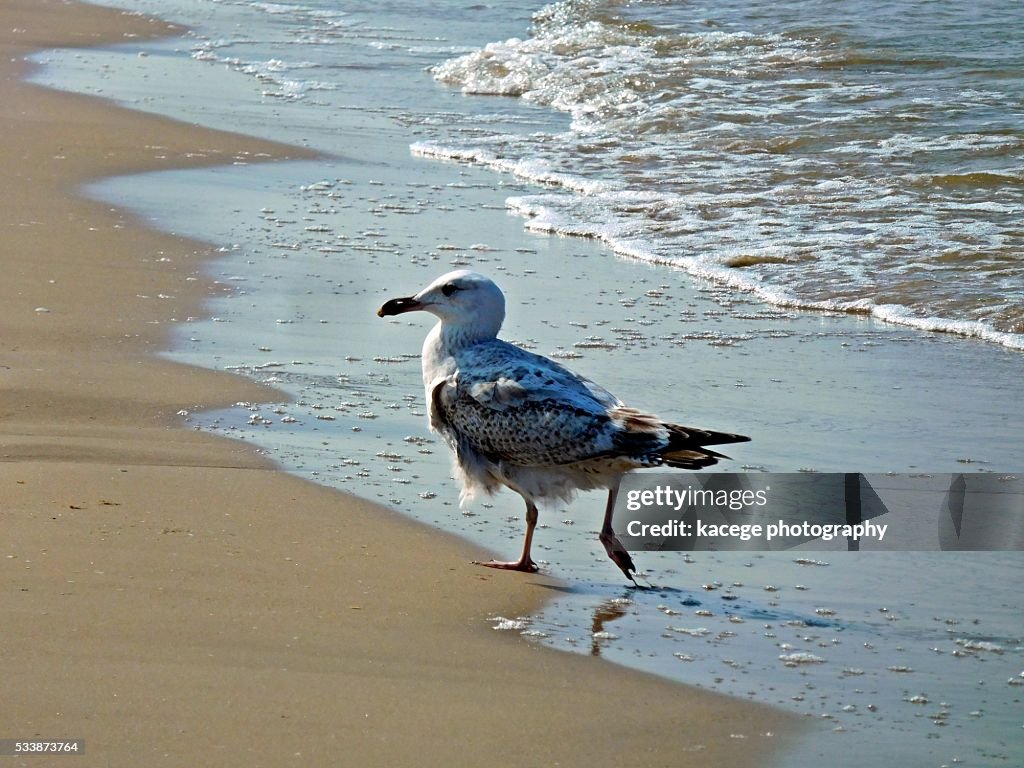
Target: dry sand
(170, 597)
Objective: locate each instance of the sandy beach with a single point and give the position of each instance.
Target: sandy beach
(173, 599)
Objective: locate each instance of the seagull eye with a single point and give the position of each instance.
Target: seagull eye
(450, 288)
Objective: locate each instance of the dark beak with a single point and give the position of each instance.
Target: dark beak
(398, 306)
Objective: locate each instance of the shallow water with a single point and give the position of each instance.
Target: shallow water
(848, 157)
(916, 655)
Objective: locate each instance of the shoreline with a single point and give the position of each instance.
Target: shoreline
(153, 626)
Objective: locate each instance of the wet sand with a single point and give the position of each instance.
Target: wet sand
(169, 596)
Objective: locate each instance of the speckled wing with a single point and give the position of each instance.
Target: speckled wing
(511, 405)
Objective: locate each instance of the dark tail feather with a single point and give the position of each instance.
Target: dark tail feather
(694, 436)
(686, 446)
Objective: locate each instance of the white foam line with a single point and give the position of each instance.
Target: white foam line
(528, 170)
(540, 219)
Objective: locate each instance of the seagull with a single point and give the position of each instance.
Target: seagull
(517, 419)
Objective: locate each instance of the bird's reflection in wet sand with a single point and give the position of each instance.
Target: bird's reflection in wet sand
(606, 612)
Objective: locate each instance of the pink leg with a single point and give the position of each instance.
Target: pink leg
(618, 553)
(524, 563)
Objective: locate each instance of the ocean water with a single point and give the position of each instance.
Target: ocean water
(855, 156)
(800, 221)
(840, 156)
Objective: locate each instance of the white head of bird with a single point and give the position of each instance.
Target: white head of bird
(471, 307)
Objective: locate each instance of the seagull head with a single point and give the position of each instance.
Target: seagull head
(462, 299)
